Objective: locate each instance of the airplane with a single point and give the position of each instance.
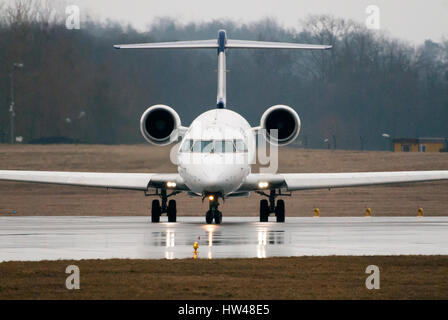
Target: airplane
(215, 153)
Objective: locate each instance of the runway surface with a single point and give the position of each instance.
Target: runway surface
(52, 238)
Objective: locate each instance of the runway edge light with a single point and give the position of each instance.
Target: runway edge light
(316, 212)
(195, 247)
(420, 212)
(368, 213)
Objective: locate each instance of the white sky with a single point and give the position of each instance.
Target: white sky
(412, 20)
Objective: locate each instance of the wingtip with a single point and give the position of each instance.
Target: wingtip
(116, 46)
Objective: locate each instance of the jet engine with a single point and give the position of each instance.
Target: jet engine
(158, 124)
(283, 118)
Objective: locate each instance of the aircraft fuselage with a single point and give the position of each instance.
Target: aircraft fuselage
(216, 152)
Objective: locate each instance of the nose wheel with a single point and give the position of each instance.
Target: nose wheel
(210, 216)
(213, 213)
(268, 207)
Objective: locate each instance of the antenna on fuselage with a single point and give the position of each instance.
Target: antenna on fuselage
(221, 44)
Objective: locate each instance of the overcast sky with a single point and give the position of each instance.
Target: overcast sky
(412, 20)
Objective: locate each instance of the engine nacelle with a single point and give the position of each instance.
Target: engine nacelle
(158, 123)
(283, 118)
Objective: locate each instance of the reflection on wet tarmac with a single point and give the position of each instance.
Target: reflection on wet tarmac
(37, 238)
(214, 236)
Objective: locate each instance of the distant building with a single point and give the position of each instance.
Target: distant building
(419, 144)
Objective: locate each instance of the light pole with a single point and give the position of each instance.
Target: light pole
(387, 137)
(11, 106)
(327, 141)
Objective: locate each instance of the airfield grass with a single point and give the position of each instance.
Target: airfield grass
(38, 199)
(334, 277)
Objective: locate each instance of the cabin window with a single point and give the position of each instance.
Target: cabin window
(197, 146)
(186, 147)
(207, 146)
(240, 146)
(212, 146)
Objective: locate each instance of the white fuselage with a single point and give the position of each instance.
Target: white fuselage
(216, 152)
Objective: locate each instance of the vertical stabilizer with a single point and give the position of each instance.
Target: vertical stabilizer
(221, 96)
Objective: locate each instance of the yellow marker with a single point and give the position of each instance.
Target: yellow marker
(195, 247)
(368, 212)
(316, 212)
(420, 212)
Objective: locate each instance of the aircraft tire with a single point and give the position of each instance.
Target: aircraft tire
(209, 217)
(156, 211)
(218, 217)
(264, 210)
(280, 211)
(172, 211)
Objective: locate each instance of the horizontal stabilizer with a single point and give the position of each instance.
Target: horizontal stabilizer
(273, 45)
(199, 44)
(213, 44)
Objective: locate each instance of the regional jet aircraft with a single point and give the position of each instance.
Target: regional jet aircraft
(215, 151)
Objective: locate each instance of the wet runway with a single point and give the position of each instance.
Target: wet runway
(52, 238)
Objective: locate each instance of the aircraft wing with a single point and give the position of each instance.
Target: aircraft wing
(306, 181)
(129, 181)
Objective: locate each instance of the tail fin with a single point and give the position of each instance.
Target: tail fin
(221, 44)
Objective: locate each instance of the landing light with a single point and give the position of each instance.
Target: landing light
(171, 184)
(211, 197)
(263, 184)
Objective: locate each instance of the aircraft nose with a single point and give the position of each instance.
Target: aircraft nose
(217, 179)
(212, 179)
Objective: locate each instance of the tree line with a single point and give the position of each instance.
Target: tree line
(75, 85)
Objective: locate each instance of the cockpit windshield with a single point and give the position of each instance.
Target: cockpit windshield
(214, 146)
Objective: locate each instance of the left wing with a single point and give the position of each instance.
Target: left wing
(305, 181)
(128, 181)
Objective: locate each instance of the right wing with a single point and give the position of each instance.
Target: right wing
(306, 181)
(129, 181)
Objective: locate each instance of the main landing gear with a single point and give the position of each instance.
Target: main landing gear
(268, 207)
(213, 213)
(168, 207)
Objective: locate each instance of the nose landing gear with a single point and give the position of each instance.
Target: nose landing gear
(268, 207)
(213, 213)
